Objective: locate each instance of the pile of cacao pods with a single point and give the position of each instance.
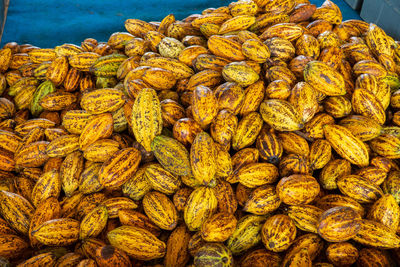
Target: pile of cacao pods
(262, 133)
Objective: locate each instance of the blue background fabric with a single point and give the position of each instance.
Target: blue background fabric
(47, 23)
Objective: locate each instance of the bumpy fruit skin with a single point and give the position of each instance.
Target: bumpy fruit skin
(349, 147)
(172, 155)
(297, 189)
(281, 115)
(226, 48)
(261, 257)
(262, 201)
(247, 131)
(146, 117)
(264, 129)
(378, 235)
(200, 205)
(386, 210)
(278, 233)
(219, 227)
(343, 253)
(12, 246)
(203, 156)
(339, 224)
(137, 242)
(213, 254)
(57, 232)
(305, 217)
(160, 210)
(324, 78)
(16, 210)
(177, 244)
(204, 105)
(119, 168)
(359, 188)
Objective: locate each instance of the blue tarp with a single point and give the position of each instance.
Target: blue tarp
(50, 23)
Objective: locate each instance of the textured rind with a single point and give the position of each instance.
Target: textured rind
(120, 167)
(324, 78)
(137, 242)
(57, 232)
(171, 154)
(349, 147)
(200, 205)
(146, 117)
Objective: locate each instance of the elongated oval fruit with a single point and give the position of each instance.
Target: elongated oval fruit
(12, 246)
(107, 66)
(247, 234)
(16, 210)
(179, 69)
(47, 210)
(247, 131)
(99, 127)
(343, 253)
(146, 117)
(386, 145)
(261, 257)
(203, 158)
(377, 235)
(320, 154)
(57, 101)
(339, 224)
(218, 227)
(160, 210)
(278, 233)
(359, 188)
(57, 232)
(171, 154)
(297, 189)
(373, 256)
(115, 204)
(262, 200)
(362, 127)
(120, 167)
(333, 200)
(222, 46)
(324, 78)
(70, 171)
(305, 217)
(365, 103)
(111, 256)
(42, 90)
(137, 219)
(94, 222)
(387, 211)
(74, 121)
(32, 155)
(137, 242)
(280, 115)
(240, 73)
(347, 145)
(62, 146)
(177, 247)
(102, 100)
(213, 254)
(101, 150)
(48, 185)
(200, 205)
(137, 186)
(161, 179)
(332, 171)
(256, 174)
(204, 105)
